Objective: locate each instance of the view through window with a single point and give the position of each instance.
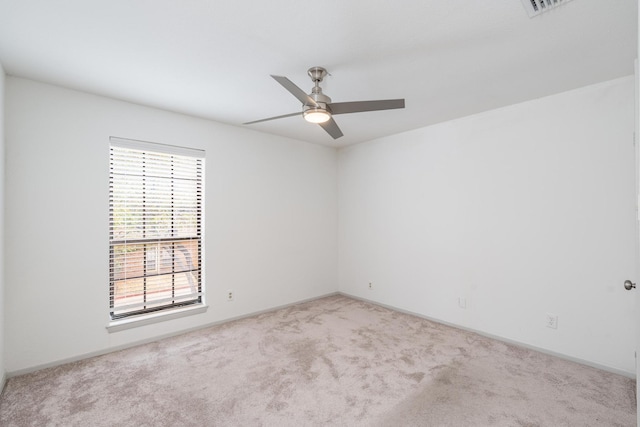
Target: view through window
(155, 227)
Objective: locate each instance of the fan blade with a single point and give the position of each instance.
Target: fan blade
(273, 118)
(332, 128)
(295, 91)
(361, 106)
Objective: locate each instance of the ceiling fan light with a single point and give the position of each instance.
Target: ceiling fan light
(316, 115)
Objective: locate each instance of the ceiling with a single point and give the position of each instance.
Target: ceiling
(213, 59)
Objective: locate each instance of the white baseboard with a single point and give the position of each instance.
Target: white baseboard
(503, 339)
(155, 338)
(7, 375)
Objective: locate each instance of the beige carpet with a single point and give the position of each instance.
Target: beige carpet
(336, 362)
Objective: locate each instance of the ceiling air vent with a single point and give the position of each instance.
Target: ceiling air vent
(536, 7)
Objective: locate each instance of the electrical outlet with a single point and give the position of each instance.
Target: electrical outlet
(370, 286)
(230, 295)
(551, 321)
(462, 302)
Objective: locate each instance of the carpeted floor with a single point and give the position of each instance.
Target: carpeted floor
(335, 361)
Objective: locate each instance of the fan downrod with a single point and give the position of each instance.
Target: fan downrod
(317, 74)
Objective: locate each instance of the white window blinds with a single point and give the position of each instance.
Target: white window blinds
(155, 227)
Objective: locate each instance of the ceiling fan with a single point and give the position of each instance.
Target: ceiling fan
(318, 108)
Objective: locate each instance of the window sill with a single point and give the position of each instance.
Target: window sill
(148, 319)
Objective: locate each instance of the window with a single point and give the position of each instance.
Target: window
(155, 227)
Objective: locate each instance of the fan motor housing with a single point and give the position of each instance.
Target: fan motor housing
(320, 98)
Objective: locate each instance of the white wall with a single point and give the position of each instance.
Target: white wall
(524, 210)
(271, 219)
(2, 170)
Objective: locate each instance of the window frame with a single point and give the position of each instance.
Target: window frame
(173, 308)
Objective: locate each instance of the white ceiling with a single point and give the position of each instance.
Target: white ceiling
(213, 59)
